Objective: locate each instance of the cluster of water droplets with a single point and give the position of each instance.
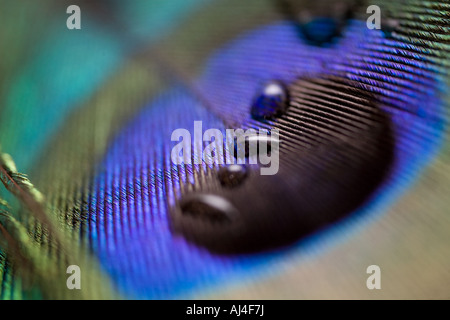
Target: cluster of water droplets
(271, 101)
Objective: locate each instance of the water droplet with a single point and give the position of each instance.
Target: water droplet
(233, 175)
(322, 22)
(208, 207)
(250, 146)
(271, 101)
(320, 30)
(388, 26)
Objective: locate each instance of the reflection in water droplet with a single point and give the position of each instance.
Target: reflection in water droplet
(232, 175)
(272, 100)
(209, 208)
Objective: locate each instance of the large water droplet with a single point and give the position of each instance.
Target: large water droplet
(250, 146)
(271, 101)
(208, 207)
(233, 175)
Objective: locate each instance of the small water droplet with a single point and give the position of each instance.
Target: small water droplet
(208, 207)
(320, 30)
(233, 175)
(319, 22)
(388, 26)
(271, 101)
(322, 22)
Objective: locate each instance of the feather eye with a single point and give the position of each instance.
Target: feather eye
(332, 157)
